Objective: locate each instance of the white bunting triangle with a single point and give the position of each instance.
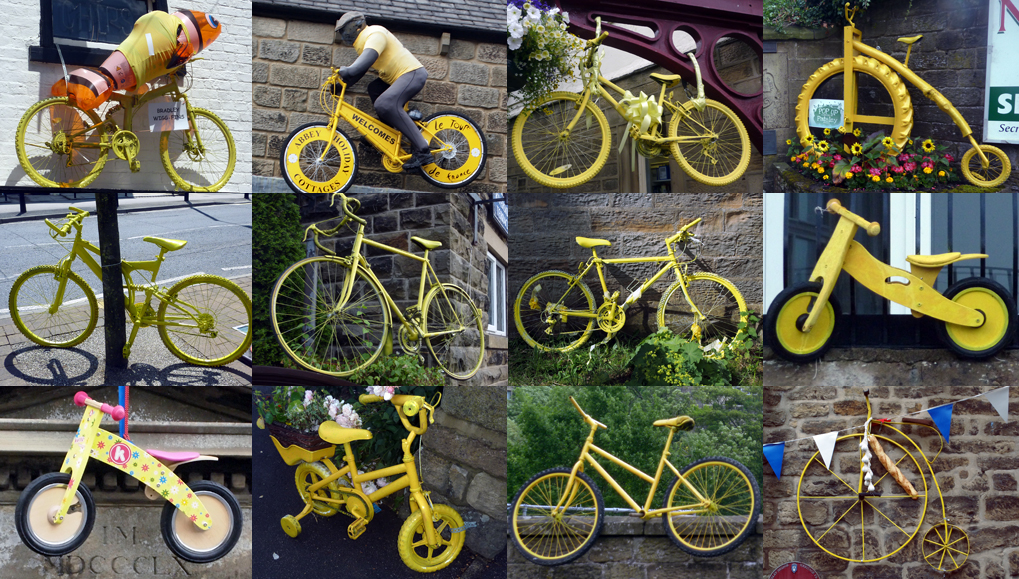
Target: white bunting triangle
(999, 400)
(826, 445)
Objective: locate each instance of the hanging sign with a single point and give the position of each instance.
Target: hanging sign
(166, 115)
(1001, 95)
(826, 113)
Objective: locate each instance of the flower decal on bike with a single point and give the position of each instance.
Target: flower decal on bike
(162, 480)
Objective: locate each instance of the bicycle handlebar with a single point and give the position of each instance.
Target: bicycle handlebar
(597, 40)
(346, 211)
(406, 406)
(872, 228)
(683, 231)
(587, 418)
(116, 412)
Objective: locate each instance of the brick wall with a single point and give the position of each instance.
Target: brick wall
(291, 59)
(976, 473)
(544, 226)
(221, 84)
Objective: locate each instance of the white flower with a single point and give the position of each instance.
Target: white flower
(553, 11)
(307, 397)
(512, 14)
(514, 43)
(533, 15)
(381, 482)
(566, 16)
(516, 31)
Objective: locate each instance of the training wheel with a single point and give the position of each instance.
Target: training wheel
(290, 526)
(945, 547)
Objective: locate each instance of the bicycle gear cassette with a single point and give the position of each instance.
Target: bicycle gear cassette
(611, 317)
(411, 346)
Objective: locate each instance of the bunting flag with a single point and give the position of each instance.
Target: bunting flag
(773, 453)
(999, 400)
(942, 416)
(826, 445)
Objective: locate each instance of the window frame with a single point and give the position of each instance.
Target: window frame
(74, 55)
(497, 268)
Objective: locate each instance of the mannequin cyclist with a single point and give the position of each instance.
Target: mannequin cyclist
(401, 76)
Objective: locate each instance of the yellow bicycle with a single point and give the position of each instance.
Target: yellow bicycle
(564, 140)
(202, 319)
(863, 68)
(555, 310)
(332, 315)
(710, 507)
(61, 145)
(319, 157)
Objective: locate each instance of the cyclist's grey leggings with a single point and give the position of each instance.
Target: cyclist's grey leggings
(389, 101)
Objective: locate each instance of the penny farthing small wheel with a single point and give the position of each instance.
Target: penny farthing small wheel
(945, 547)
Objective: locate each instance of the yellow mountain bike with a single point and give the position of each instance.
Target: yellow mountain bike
(332, 315)
(564, 140)
(555, 310)
(710, 507)
(319, 157)
(202, 319)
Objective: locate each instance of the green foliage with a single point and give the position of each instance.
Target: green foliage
(275, 245)
(545, 431)
(814, 13)
(605, 364)
(381, 418)
(398, 370)
(286, 406)
(664, 358)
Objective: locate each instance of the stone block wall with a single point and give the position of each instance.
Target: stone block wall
(463, 459)
(976, 472)
(291, 59)
(544, 226)
(630, 548)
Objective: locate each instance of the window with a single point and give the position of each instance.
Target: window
(496, 296)
(500, 212)
(86, 30)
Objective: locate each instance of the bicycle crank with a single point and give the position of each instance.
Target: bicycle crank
(411, 345)
(611, 317)
(126, 146)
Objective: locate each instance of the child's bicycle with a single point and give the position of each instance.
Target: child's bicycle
(564, 140)
(61, 145)
(320, 158)
(555, 310)
(710, 507)
(867, 507)
(977, 314)
(203, 319)
(982, 165)
(433, 535)
(55, 513)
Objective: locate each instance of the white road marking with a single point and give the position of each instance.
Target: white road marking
(238, 267)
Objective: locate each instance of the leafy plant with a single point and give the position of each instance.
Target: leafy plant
(664, 358)
(540, 45)
(275, 246)
(813, 13)
(398, 371)
(382, 419)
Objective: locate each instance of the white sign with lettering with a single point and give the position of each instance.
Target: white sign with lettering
(1001, 92)
(166, 115)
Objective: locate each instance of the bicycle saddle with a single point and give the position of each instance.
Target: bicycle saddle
(683, 423)
(669, 80)
(167, 244)
(589, 243)
(426, 244)
(333, 433)
(165, 457)
(941, 259)
(908, 40)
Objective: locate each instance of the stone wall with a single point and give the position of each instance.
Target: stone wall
(291, 59)
(951, 57)
(544, 226)
(976, 473)
(463, 459)
(630, 548)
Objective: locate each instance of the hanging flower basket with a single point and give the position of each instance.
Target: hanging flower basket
(289, 436)
(542, 54)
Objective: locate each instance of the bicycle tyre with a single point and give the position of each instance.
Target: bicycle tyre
(299, 160)
(222, 307)
(35, 502)
(901, 103)
(412, 538)
(51, 168)
(25, 314)
(538, 129)
(310, 473)
(207, 167)
(461, 356)
(786, 315)
(976, 174)
(724, 308)
(290, 314)
(535, 330)
(991, 298)
(699, 159)
(189, 542)
(466, 162)
(743, 520)
(543, 485)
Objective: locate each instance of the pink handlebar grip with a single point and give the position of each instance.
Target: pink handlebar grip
(80, 398)
(117, 412)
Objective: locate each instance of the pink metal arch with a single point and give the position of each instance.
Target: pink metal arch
(707, 21)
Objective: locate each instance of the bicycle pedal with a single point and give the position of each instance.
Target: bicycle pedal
(356, 529)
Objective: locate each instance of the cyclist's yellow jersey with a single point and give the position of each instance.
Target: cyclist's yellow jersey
(157, 44)
(394, 60)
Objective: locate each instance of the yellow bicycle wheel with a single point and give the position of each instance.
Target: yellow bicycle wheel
(715, 149)
(716, 298)
(459, 149)
(459, 349)
(554, 538)
(308, 474)
(413, 542)
(994, 174)
(784, 322)
(855, 527)
(556, 157)
(201, 158)
(313, 160)
(998, 312)
(320, 332)
(60, 145)
(945, 547)
(205, 320)
(542, 312)
(32, 300)
(724, 519)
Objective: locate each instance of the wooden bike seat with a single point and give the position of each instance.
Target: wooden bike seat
(669, 80)
(167, 244)
(333, 433)
(589, 243)
(909, 40)
(942, 259)
(684, 423)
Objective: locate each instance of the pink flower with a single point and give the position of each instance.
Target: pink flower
(874, 171)
(910, 166)
(856, 169)
(307, 397)
(949, 157)
(926, 164)
(837, 157)
(903, 158)
(832, 164)
(897, 169)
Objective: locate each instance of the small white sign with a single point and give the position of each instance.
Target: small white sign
(167, 116)
(826, 113)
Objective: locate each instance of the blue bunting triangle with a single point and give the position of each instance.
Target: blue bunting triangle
(942, 416)
(773, 453)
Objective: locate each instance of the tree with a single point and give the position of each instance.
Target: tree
(275, 245)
